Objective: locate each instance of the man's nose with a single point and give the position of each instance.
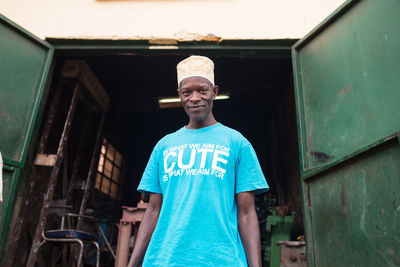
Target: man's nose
(195, 97)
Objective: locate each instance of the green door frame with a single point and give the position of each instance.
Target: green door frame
(240, 48)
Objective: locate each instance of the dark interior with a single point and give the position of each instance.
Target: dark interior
(261, 107)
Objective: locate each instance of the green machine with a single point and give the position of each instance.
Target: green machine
(275, 228)
(278, 229)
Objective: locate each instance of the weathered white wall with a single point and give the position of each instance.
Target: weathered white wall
(229, 19)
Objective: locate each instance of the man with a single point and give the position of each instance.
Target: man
(201, 180)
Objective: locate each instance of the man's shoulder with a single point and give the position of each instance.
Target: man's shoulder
(236, 137)
(233, 133)
(229, 129)
(168, 137)
(226, 131)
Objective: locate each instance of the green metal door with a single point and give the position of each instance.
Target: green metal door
(24, 65)
(347, 85)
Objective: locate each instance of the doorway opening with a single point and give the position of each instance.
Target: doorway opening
(261, 106)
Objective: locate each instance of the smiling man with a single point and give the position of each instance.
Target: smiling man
(202, 180)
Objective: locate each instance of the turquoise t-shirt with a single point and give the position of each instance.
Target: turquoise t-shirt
(198, 172)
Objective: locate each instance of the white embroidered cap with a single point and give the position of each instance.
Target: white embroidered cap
(196, 66)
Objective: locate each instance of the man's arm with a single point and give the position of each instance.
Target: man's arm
(146, 229)
(248, 228)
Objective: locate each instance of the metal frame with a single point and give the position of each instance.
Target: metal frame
(131, 216)
(74, 240)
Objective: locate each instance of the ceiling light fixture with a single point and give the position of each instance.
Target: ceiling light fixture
(173, 102)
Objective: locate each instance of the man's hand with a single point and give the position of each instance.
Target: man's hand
(146, 229)
(248, 228)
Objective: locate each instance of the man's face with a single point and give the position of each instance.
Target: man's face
(197, 94)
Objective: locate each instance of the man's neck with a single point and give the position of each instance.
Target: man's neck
(195, 124)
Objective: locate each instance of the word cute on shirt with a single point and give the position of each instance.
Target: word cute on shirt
(177, 162)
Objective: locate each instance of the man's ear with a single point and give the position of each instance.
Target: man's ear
(215, 90)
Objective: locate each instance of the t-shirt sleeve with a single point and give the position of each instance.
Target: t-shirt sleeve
(249, 176)
(150, 182)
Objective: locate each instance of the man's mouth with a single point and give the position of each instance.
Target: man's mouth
(196, 107)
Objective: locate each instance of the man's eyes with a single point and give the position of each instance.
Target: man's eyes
(185, 93)
(201, 91)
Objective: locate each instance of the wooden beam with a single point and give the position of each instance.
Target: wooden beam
(45, 159)
(79, 69)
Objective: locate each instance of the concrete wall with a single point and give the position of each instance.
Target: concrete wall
(135, 19)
